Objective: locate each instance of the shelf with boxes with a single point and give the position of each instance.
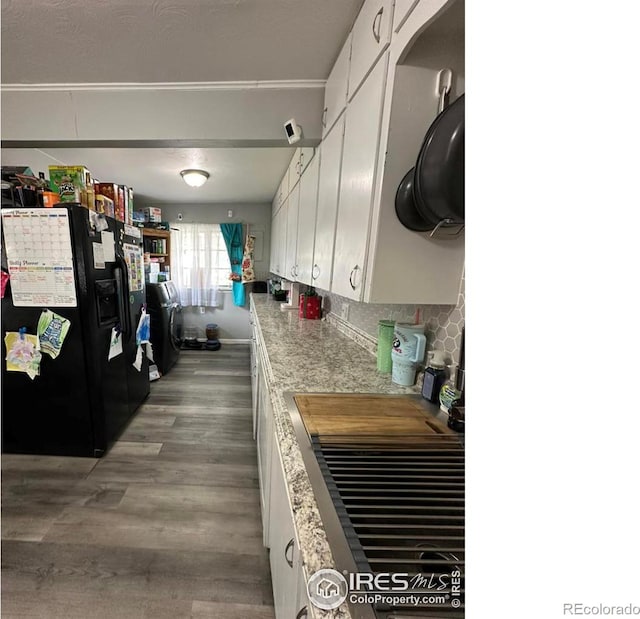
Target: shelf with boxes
(76, 184)
(157, 244)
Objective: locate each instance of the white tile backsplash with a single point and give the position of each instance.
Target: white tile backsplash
(443, 322)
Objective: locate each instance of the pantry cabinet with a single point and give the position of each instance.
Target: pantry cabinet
(307, 203)
(370, 37)
(335, 90)
(359, 159)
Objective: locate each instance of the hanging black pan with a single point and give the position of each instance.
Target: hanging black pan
(407, 209)
(439, 174)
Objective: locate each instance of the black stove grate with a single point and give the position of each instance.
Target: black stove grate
(401, 506)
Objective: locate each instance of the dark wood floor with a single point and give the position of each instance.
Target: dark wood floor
(166, 525)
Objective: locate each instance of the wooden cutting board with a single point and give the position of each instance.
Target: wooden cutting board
(338, 414)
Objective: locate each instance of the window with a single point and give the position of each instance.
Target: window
(200, 263)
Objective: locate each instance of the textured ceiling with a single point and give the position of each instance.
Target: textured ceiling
(159, 41)
(247, 175)
(72, 41)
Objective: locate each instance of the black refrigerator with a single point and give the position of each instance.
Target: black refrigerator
(88, 269)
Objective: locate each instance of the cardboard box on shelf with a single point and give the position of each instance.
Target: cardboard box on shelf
(156, 225)
(105, 205)
(70, 182)
(152, 214)
(108, 190)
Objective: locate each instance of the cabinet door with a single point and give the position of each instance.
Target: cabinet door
(273, 243)
(273, 258)
(302, 598)
(330, 161)
(278, 240)
(284, 187)
(291, 243)
(335, 90)
(264, 448)
(360, 153)
(294, 169)
(254, 374)
(306, 157)
(307, 222)
(371, 36)
(401, 11)
(283, 554)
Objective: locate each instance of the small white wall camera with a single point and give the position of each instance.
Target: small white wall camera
(293, 131)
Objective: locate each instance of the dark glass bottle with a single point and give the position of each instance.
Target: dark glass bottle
(434, 377)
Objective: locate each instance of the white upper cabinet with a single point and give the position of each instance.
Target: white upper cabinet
(307, 204)
(291, 242)
(278, 240)
(300, 160)
(306, 156)
(294, 169)
(359, 158)
(371, 139)
(281, 193)
(401, 12)
(370, 37)
(335, 90)
(330, 160)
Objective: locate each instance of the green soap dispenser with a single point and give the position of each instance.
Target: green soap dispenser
(449, 392)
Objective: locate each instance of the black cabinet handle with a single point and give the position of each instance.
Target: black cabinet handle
(376, 32)
(286, 550)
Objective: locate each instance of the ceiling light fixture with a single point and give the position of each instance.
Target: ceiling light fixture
(194, 178)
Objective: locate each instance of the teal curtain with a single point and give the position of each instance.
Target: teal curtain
(232, 234)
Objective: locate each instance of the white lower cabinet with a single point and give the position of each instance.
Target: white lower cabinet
(264, 444)
(359, 159)
(255, 364)
(284, 551)
(302, 604)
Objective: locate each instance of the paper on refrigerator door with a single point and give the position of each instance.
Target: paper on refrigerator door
(137, 364)
(39, 257)
(98, 256)
(149, 349)
(108, 246)
(115, 346)
(52, 329)
(135, 266)
(23, 353)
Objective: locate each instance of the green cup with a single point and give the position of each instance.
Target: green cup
(385, 343)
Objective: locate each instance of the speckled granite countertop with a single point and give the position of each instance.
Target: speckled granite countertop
(310, 356)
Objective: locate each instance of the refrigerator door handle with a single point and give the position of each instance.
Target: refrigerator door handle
(122, 288)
